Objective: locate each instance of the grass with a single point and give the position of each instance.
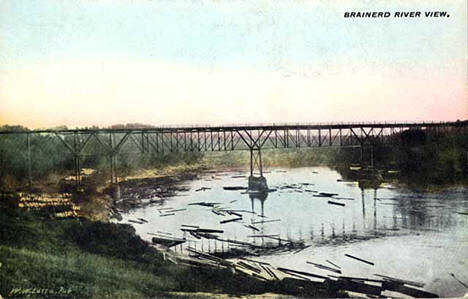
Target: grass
(91, 259)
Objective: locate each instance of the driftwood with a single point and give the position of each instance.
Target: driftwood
(230, 220)
(302, 273)
(320, 266)
(408, 282)
(336, 203)
(359, 259)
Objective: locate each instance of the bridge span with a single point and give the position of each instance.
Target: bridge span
(167, 139)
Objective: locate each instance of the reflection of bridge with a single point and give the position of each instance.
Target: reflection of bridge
(229, 138)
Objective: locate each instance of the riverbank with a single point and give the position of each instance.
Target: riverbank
(83, 259)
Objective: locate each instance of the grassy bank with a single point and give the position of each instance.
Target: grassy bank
(83, 259)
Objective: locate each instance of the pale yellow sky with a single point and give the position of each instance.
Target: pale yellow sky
(81, 63)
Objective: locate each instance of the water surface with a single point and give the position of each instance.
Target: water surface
(409, 235)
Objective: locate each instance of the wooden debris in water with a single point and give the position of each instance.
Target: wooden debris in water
(301, 273)
(230, 220)
(169, 214)
(344, 198)
(252, 227)
(187, 225)
(359, 259)
(167, 241)
(327, 194)
(320, 266)
(408, 282)
(300, 249)
(331, 263)
(234, 188)
(262, 236)
(175, 210)
(204, 204)
(336, 203)
(399, 287)
(461, 282)
(266, 221)
(143, 220)
(135, 221)
(202, 189)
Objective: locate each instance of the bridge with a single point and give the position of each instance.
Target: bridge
(254, 138)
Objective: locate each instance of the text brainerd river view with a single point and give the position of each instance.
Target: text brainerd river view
(396, 14)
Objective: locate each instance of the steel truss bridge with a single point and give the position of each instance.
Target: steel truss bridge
(79, 142)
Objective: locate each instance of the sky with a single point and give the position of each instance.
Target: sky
(98, 62)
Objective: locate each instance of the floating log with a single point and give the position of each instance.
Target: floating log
(336, 203)
(144, 220)
(252, 227)
(168, 242)
(209, 230)
(262, 236)
(238, 176)
(204, 204)
(344, 198)
(331, 263)
(233, 213)
(164, 233)
(269, 271)
(249, 267)
(230, 220)
(202, 189)
(461, 282)
(300, 249)
(266, 221)
(301, 273)
(359, 259)
(328, 194)
(320, 266)
(187, 225)
(232, 201)
(162, 209)
(408, 282)
(313, 191)
(176, 210)
(242, 211)
(194, 233)
(170, 214)
(357, 278)
(234, 188)
(135, 221)
(360, 287)
(253, 261)
(399, 287)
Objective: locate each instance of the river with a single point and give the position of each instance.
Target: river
(419, 236)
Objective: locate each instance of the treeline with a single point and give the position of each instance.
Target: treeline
(420, 157)
(50, 159)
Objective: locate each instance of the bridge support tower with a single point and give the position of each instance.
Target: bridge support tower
(257, 181)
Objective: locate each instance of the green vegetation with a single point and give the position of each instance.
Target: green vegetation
(79, 258)
(423, 158)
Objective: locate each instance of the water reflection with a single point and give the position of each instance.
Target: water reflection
(384, 213)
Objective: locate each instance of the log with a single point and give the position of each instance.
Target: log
(408, 282)
(302, 273)
(359, 259)
(336, 203)
(333, 264)
(320, 266)
(399, 287)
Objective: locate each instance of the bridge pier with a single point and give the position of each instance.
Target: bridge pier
(258, 182)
